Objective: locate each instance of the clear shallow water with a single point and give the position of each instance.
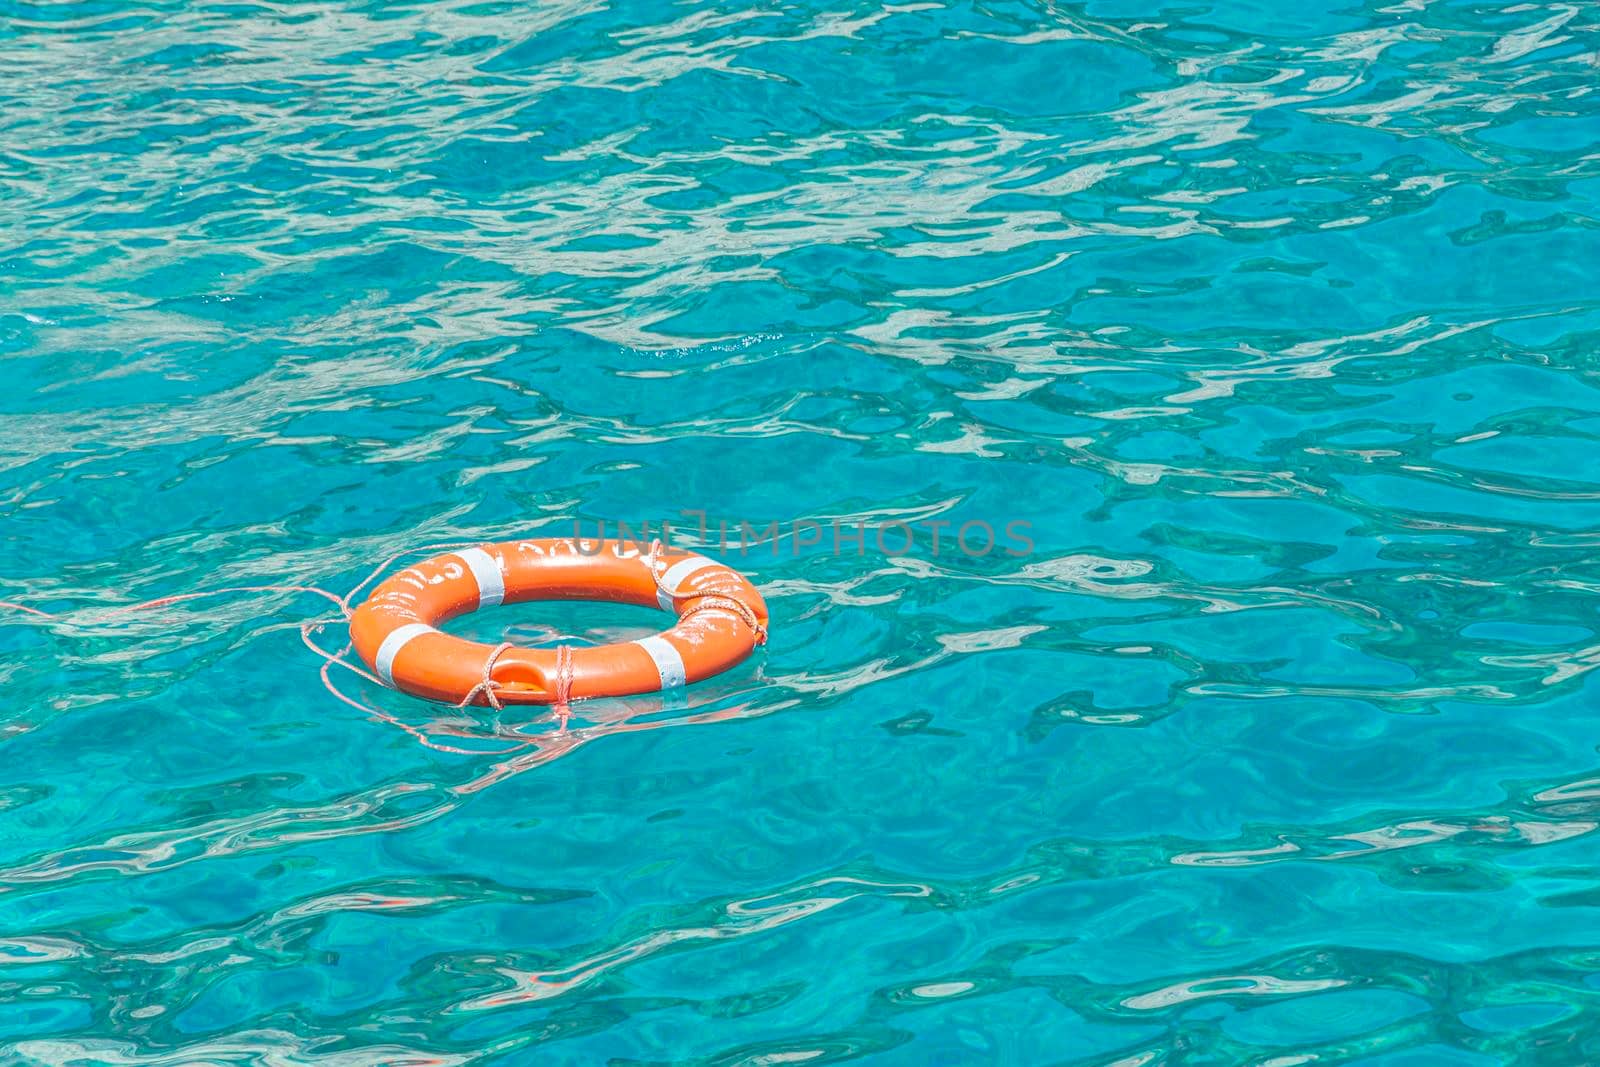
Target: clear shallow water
(1277, 322)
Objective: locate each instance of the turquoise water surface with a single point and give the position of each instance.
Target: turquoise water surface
(1275, 326)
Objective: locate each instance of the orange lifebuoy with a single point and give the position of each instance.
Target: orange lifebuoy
(721, 618)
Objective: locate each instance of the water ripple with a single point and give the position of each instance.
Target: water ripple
(1276, 330)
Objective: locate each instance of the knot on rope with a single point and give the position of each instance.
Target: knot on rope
(487, 685)
(563, 709)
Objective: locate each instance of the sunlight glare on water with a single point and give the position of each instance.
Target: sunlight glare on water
(1274, 326)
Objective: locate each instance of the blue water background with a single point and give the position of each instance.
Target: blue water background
(1278, 322)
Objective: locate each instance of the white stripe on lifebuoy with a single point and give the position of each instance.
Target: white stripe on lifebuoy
(384, 660)
(675, 576)
(491, 580)
(668, 663)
